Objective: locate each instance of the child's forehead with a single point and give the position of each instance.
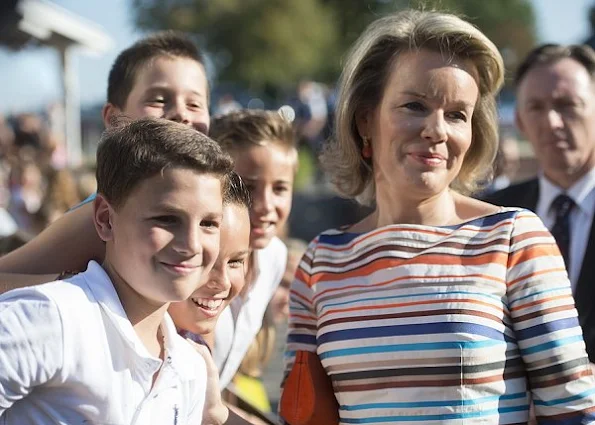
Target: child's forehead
(252, 160)
(271, 146)
(176, 179)
(165, 67)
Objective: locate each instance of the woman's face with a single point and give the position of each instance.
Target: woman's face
(421, 129)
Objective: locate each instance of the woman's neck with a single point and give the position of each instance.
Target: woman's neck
(438, 210)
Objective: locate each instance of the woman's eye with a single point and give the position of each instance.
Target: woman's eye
(414, 106)
(459, 116)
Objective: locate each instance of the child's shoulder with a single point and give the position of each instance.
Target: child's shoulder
(55, 291)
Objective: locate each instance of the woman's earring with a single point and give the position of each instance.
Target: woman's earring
(367, 148)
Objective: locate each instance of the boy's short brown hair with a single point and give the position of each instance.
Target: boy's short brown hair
(125, 69)
(133, 151)
(249, 127)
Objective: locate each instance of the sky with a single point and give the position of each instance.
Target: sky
(30, 79)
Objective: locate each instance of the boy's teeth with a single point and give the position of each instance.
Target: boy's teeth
(208, 303)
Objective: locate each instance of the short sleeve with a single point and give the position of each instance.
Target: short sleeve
(31, 344)
(302, 325)
(546, 326)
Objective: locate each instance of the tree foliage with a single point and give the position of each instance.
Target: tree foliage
(275, 43)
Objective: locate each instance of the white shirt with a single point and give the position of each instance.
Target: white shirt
(581, 216)
(233, 338)
(71, 356)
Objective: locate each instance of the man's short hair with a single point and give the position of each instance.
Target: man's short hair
(547, 54)
(129, 62)
(133, 151)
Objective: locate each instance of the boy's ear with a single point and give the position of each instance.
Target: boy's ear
(109, 112)
(102, 218)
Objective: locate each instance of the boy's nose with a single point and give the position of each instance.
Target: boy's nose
(178, 113)
(263, 202)
(188, 242)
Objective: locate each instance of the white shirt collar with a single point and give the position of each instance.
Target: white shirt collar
(578, 192)
(106, 296)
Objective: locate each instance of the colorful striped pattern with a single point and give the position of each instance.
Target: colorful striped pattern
(444, 325)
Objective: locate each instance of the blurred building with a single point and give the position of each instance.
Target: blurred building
(25, 23)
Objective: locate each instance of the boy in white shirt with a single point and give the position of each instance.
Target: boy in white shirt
(101, 348)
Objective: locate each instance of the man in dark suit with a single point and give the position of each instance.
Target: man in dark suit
(556, 112)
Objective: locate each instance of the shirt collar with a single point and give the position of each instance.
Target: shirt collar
(106, 296)
(579, 192)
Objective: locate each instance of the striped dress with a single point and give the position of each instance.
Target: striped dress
(444, 325)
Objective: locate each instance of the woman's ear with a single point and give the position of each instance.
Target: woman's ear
(362, 122)
(102, 217)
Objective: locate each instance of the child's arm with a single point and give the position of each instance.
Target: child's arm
(31, 351)
(67, 244)
(215, 411)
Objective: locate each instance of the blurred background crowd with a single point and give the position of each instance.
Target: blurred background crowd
(262, 54)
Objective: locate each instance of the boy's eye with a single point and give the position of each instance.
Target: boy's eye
(210, 224)
(157, 101)
(195, 105)
(281, 189)
(166, 219)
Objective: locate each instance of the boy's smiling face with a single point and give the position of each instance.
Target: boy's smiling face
(164, 236)
(199, 313)
(268, 172)
(174, 88)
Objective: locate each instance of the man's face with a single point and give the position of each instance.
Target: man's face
(556, 113)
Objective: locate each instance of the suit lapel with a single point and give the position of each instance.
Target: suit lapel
(528, 194)
(585, 286)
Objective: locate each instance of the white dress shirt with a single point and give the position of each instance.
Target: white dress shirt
(581, 216)
(234, 337)
(71, 356)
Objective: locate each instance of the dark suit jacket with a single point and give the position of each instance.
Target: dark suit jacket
(525, 195)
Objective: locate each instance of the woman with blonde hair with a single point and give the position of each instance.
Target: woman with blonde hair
(437, 307)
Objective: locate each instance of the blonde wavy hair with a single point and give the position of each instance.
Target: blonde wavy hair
(367, 68)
